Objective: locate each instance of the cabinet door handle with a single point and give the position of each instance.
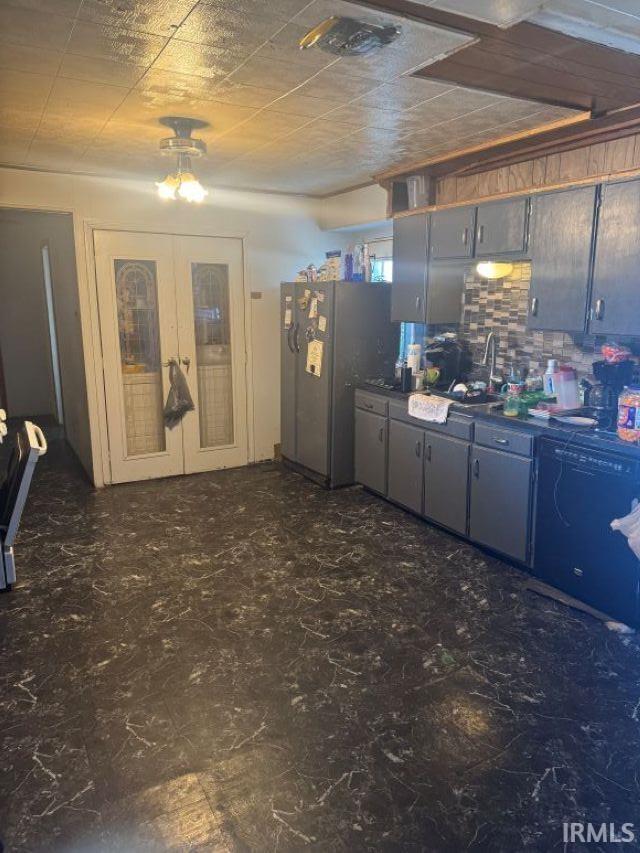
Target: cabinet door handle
(578, 572)
(465, 236)
(599, 313)
(418, 448)
(296, 339)
(504, 441)
(534, 306)
(381, 435)
(368, 405)
(481, 234)
(418, 302)
(476, 469)
(428, 454)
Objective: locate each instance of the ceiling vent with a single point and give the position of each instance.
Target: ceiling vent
(348, 37)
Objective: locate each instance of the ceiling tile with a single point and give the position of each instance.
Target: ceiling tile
(35, 60)
(200, 59)
(160, 17)
(337, 86)
(66, 8)
(105, 42)
(22, 99)
(302, 105)
(226, 27)
(229, 92)
(272, 74)
(404, 94)
(96, 70)
(23, 26)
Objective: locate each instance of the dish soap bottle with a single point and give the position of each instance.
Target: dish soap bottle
(548, 383)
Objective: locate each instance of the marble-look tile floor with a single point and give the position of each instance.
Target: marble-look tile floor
(243, 661)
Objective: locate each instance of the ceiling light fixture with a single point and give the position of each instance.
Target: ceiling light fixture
(182, 183)
(494, 269)
(348, 37)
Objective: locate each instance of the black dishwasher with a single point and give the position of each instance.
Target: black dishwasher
(580, 491)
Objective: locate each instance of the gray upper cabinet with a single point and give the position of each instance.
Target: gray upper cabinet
(501, 228)
(371, 450)
(500, 506)
(406, 444)
(452, 233)
(561, 245)
(408, 292)
(444, 293)
(615, 298)
(446, 480)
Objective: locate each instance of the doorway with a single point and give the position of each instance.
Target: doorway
(37, 280)
(167, 300)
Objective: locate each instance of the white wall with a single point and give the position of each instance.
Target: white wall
(280, 234)
(24, 332)
(361, 207)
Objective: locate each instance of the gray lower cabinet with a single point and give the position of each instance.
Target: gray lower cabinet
(561, 242)
(446, 480)
(500, 505)
(408, 293)
(501, 228)
(406, 444)
(371, 451)
(615, 298)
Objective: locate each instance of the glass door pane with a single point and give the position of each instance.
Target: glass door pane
(212, 328)
(136, 284)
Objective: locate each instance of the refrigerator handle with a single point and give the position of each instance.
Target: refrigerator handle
(289, 344)
(296, 340)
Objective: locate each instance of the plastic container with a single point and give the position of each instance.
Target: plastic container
(547, 379)
(414, 354)
(629, 413)
(567, 390)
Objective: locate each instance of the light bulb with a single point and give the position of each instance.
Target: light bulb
(167, 188)
(190, 188)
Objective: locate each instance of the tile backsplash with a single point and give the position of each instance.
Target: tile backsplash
(502, 306)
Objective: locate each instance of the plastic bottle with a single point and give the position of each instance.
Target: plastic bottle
(548, 385)
(629, 413)
(414, 354)
(565, 382)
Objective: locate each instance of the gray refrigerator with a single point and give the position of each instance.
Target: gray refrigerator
(334, 334)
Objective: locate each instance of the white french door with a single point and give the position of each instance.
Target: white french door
(166, 298)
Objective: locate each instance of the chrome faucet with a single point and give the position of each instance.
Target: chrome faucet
(495, 379)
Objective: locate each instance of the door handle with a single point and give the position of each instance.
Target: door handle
(381, 435)
(465, 236)
(428, 454)
(503, 441)
(418, 449)
(599, 312)
(171, 361)
(476, 469)
(187, 362)
(418, 302)
(481, 234)
(296, 339)
(534, 306)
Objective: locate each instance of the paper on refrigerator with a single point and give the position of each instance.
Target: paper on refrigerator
(314, 358)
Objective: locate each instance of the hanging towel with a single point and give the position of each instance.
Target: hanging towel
(179, 400)
(429, 407)
(629, 526)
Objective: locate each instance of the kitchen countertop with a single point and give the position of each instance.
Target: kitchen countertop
(550, 429)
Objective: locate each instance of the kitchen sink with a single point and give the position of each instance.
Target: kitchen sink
(484, 400)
